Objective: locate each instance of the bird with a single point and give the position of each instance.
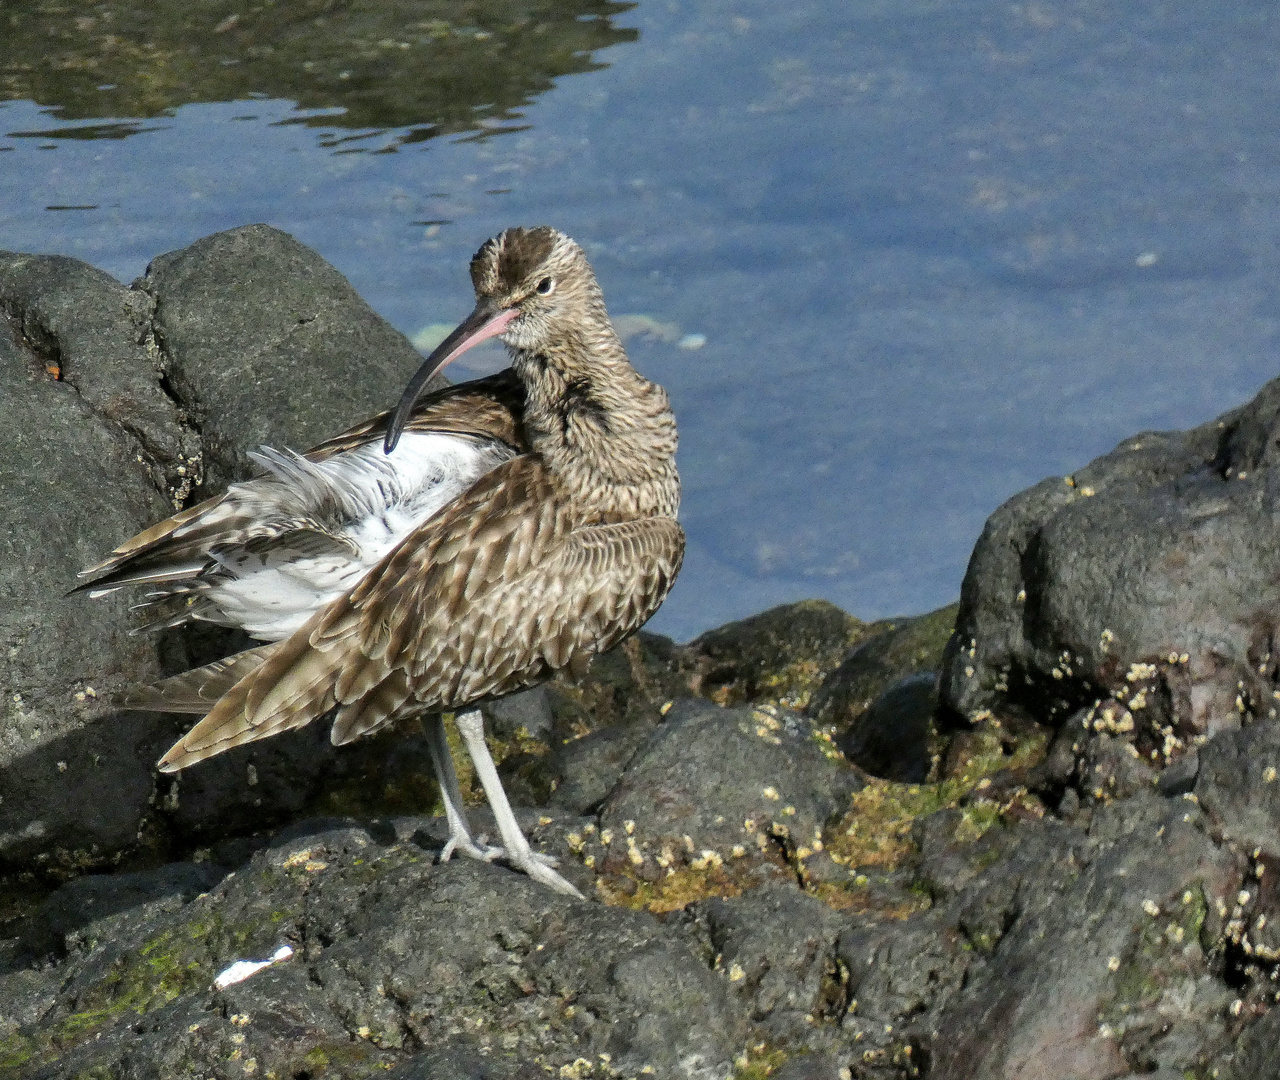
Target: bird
(469, 543)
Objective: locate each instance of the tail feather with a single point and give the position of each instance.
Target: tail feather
(222, 729)
(198, 690)
(131, 556)
(287, 688)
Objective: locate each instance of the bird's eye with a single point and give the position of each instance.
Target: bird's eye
(546, 286)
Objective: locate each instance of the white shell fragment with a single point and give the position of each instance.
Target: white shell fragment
(242, 969)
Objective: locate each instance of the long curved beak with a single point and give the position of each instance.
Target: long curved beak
(488, 320)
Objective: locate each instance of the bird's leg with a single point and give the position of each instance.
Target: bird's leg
(459, 834)
(518, 852)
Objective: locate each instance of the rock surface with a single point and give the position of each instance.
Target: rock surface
(1144, 583)
(882, 701)
(122, 403)
(1063, 866)
(269, 344)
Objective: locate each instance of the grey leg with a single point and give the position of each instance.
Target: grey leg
(459, 834)
(518, 852)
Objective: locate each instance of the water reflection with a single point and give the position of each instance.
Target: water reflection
(426, 67)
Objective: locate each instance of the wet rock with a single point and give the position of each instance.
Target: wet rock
(1145, 583)
(390, 959)
(258, 331)
(891, 739)
(712, 785)
(780, 656)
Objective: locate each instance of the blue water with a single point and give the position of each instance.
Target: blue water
(897, 260)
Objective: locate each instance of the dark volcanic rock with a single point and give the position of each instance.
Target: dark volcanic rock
(91, 443)
(1239, 788)
(892, 737)
(1239, 791)
(1257, 1053)
(627, 686)
(777, 946)
(892, 652)
(268, 343)
(587, 769)
(881, 702)
(780, 655)
(394, 961)
(1111, 768)
(1102, 969)
(717, 784)
(464, 1062)
(1146, 580)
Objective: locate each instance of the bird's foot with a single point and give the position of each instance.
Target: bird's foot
(537, 868)
(546, 860)
(483, 851)
(464, 845)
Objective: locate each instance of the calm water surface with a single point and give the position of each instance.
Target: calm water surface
(895, 261)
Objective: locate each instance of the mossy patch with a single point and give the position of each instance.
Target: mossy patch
(356, 1059)
(759, 1061)
(678, 887)
(141, 980)
(876, 831)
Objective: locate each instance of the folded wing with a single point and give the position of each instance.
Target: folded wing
(500, 589)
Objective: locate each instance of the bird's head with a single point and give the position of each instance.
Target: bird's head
(530, 283)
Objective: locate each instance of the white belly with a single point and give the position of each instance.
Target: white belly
(364, 503)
